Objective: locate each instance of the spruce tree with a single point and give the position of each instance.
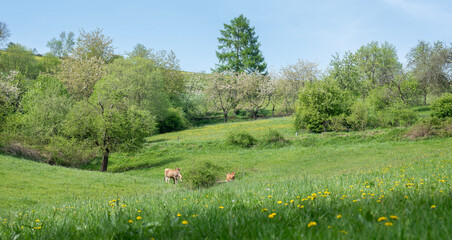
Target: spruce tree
(239, 48)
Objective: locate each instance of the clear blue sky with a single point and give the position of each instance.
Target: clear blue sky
(287, 30)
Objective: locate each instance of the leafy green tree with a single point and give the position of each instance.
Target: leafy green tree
(63, 46)
(139, 82)
(81, 74)
(93, 44)
(431, 67)
(239, 48)
(378, 63)
(318, 103)
(168, 63)
(4, 33)
(44, 108)
(109, 121)
(347, 73)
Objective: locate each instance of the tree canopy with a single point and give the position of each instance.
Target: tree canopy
(239, 48)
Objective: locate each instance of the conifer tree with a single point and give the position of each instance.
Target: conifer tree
(239, 48)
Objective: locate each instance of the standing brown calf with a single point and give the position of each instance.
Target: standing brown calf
(174, 174)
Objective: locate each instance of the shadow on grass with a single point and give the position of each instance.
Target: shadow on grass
(157, 140)
(145, 165)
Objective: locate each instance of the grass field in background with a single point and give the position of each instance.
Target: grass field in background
(357, 185)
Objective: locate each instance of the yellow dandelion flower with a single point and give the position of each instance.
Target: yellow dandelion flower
(271, 216)
(291, 201)
(130, 221)
(221, 207)
(139, 217)
(433, 206)
(301, 206)
(312, 224)
(269, 196)
(37, 220)
(179, 214)
(339, 216)
(139, 211)
(382, 219)
(279, 202)
(194, 215)
(185, 222)
(389, 224)
(264, 210)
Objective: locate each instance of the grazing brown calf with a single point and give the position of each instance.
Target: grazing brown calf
(230, 177)
(174, 174)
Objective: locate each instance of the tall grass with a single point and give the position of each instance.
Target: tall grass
(411, 201)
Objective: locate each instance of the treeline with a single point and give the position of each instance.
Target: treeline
(81, 102)
(371, 88)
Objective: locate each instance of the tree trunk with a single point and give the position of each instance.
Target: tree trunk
(104, 165)
(425, 98)
(273, 111)
(225, 114)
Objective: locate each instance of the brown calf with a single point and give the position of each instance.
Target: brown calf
(174, 174)
(230, 177)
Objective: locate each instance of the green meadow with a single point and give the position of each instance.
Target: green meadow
(373, 184)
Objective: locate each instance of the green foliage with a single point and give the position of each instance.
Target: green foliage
(174, 121)
(274, 137)
(93, 44)
(4, 32)
(63, 46)
(9, 95)
(381, 98)
(202, 175)
(18, 58)
(347, 73)
(318, 102)
(240, 138)
(139, 82)
(70, 152)
(442, 107)
(359, 115)
(429, 64)
(400, 115)
(239, 48)
(44, 108)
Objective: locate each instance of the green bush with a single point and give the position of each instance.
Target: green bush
(70, 152)
(359, 116)
(241, 138)
(401, 116)
(339, 123)
(318, 102)
(273, 137)
(202, 175)
(174, 121)
(442, 107)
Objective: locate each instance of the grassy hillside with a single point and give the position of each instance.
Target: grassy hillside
(332, 185)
